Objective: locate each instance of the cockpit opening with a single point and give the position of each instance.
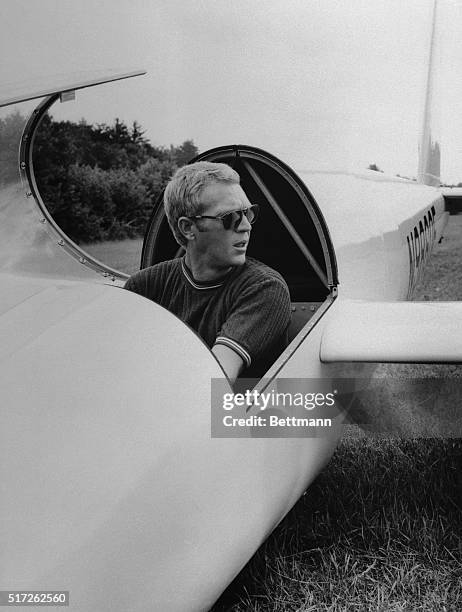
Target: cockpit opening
(290, 236)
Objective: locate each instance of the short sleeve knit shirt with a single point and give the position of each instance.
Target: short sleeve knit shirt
(248, 310)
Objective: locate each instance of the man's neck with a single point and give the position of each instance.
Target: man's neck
(202, 271)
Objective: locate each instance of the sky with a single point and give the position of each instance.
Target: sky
(321, 84)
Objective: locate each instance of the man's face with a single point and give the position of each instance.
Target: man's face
(221, 248)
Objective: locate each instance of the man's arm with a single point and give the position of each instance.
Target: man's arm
(229, 360)
(256, 328)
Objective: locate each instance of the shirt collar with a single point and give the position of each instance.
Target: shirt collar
(202, 284)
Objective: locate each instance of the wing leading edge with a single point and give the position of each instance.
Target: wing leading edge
(394, 332)
(14, 93)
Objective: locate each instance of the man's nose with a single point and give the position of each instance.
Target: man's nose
(244, 225)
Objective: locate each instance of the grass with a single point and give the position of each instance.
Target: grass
(123, 255)
(381, 527)
(443, 277)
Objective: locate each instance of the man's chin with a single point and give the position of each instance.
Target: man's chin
(239, 259)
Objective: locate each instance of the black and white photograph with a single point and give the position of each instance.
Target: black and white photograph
(230, 330)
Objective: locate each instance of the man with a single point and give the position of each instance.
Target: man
(239, 306)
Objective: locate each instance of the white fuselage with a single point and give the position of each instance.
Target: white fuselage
(115, 489)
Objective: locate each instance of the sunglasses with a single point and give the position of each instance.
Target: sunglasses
(233, 219)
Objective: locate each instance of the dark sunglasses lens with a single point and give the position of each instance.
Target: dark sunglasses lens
(233, 219)
(228, 220)
(251, 213)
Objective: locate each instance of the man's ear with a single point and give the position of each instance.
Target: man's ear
(187, 228)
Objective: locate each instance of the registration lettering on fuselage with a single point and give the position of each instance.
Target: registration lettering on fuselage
(420, 242)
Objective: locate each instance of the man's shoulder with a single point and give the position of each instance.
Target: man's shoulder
(160, 269)
(146, 281)
(257, 272)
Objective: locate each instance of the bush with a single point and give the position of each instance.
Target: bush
(102, 183)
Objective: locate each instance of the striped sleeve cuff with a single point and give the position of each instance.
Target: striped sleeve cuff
(237, 348)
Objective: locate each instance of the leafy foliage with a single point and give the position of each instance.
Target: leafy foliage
(101, 182)
(374, 167)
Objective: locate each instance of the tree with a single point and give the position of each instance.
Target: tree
(102, 182)
(184, 153)
(374, 167)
